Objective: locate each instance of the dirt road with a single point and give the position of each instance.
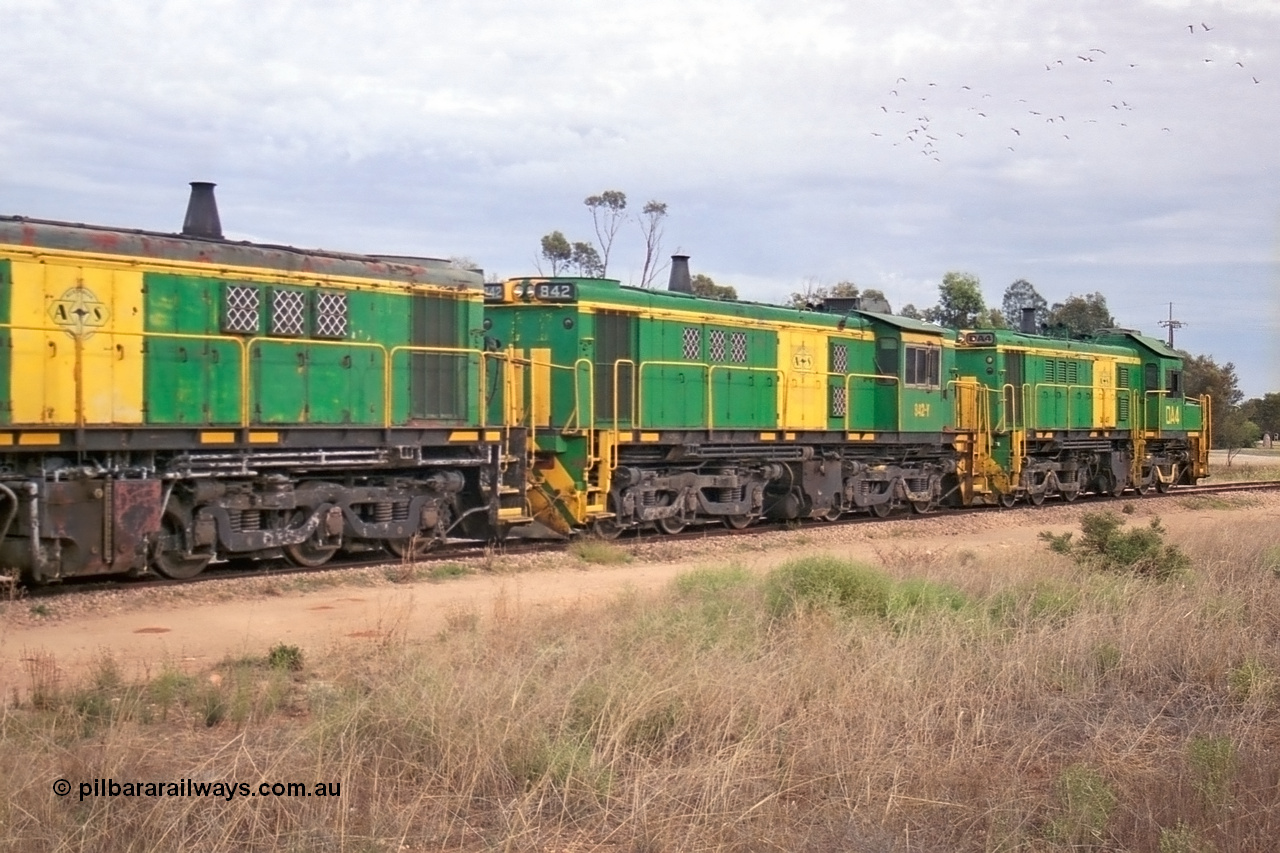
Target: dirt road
(196, 626)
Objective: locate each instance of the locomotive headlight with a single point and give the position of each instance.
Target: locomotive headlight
(518, 291)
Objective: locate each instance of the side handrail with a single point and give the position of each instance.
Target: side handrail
(389, 368)
(711, 411)
(848, 396)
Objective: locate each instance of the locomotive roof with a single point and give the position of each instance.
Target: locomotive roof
(78, 237)
(611, 289)
(1112, 342)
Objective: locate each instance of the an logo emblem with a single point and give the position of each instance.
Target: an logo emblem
(801, 360)
(79, 312)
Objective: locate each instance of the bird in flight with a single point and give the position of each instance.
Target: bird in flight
(1098, 49)
(1015, 130)
(901, 80)
(1241, 64)
(1256, 80)
(1206, 26)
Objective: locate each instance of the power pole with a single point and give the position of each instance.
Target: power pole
(1171, 324)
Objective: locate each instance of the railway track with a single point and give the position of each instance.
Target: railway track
(237, 570)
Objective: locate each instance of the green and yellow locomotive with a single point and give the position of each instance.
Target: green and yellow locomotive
(167, 401)
(659, 408)
(172, 400)
(1056, 417)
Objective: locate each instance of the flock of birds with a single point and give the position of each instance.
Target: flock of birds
(917, 129)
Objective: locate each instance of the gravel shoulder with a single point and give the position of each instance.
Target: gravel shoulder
(195, 626)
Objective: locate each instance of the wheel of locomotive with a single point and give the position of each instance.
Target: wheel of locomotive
(671, 525)
(922, 507)
(1144, 489)
(1070, 496)
(414, 548)
(1035, 498)
(882, 510)
(309, 554)
(174, 562)
(1008, 499)
(738, 522)
(832, 513)
(417, 546)
(1162, 487)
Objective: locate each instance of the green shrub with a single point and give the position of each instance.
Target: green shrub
(1213, 763)
(1085, 803)
(285, 657)
(816, 583)
(598, 551)
(1105, 547)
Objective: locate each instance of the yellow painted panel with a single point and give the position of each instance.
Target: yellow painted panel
(802, 359)
(492, 435)
(77, 344)
(6, 439)
(1104, 392)
(43, 358)
(264, 438)
(464, 435)
(217, 438)
(515, 393)
(768, 436)
(35, 439)
(650, 436)
(540, 380)
(111, 367)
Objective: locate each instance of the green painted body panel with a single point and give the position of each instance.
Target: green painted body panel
(193, 371)
(193, 377)
(6, 342)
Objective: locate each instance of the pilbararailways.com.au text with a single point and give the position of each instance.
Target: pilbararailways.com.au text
(191, 788)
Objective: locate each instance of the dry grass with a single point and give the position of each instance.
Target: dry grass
(936, 702)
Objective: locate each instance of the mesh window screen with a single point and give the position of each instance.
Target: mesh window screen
(331, 315)
(692, 343)
(242, 310)
(288, 313)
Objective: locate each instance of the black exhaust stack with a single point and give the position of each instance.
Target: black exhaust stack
(1028, 324)
(202, 212)
(680, 281)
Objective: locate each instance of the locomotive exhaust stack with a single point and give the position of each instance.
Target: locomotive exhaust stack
(1027, 324)
(202, 212)
(680, 281)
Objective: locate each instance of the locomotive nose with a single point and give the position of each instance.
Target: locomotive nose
(202, 212)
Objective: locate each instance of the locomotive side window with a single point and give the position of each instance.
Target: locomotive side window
(1152, 377)
(1173, 382)
(241, 309)
(886, 358)
(924, 366)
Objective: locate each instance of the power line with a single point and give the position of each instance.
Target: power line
(1171, 324)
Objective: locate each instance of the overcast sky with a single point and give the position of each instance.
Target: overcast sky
(1129, 147)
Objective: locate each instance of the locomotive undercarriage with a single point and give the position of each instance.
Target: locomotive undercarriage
(1068, 469)
(718, 485)
(177, 513)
